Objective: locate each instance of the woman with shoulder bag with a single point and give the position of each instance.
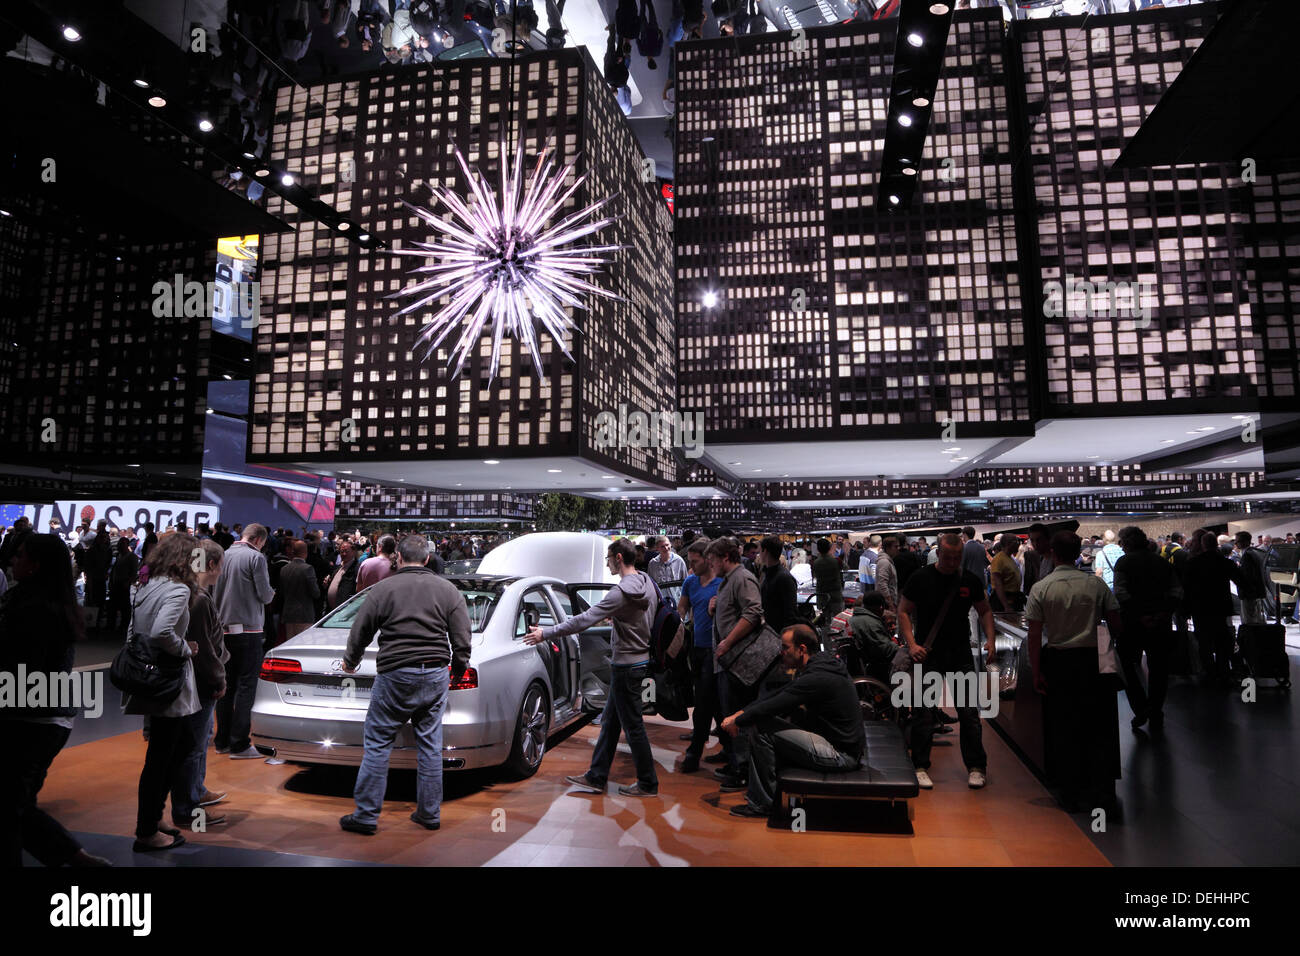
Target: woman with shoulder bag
(160, 618)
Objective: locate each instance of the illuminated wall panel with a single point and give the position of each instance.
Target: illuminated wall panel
(334, 353)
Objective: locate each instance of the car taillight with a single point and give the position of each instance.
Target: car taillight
(280, 668)
(466, 681)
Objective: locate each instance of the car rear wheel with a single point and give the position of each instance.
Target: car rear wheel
(531, 732)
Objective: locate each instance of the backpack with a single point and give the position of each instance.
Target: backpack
(662, 631)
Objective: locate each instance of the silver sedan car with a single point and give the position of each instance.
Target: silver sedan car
(501, 713)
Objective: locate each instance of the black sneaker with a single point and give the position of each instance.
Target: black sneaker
(734, 785)
(749, 813)
(352, 826)
(718, 757)
(690, 764)
(416, 818)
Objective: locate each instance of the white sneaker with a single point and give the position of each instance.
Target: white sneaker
(977, 779)
(252, 753)
(923, 780)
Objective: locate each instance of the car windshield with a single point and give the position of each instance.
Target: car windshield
(478, 603)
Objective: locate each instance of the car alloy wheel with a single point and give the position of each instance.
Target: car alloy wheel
(531, 730)
(533, 726)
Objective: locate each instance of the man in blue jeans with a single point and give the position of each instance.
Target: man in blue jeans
(829, 736)
(424, 629)
(631, 604)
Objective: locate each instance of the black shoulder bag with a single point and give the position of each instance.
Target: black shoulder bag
(140, 672)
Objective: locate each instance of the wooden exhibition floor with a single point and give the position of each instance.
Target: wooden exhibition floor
(295, 810)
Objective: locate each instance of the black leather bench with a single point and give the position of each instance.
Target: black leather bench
(886, 774)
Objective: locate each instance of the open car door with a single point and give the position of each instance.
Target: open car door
(595, 651)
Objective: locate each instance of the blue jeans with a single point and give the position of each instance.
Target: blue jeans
(189, 789)
(416, 694)
(623, 714)
(778, 743)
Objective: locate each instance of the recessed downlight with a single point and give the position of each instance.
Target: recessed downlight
(921, 101)
(157, 101)
(71, 34)
(915, 39)
(205, 124)
(904, 119)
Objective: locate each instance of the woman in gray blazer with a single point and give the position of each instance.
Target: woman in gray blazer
(160, 616)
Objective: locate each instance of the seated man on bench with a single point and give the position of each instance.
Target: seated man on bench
(828, 736)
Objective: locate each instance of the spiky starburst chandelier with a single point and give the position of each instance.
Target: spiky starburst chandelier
(502, 263)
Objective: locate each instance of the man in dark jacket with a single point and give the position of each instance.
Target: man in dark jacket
(779, 590)
(829, 736)
(1255, 584)
(424, 627)
(343, 581)
(1148, 592)
(1209, 598)
(299, 591)
(871, 637)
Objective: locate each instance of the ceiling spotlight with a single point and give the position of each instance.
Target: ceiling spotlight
(5, 212)
(491, 461)
(205, 124)
(915, 39)
(909, 171)
(710, 299)
(71, 35)
(157, 101)
(894, 200)
(939, 9)
(921, 101)
(248, 155)
(141, 82)
(286, 179)
(363, 236)
(904, 119)
(344, 226)
(261, 172)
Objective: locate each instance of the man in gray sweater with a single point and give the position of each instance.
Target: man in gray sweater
(631, 604)
(242, 592)
(424, 630)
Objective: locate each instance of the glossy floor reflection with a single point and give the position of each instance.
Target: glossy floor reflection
(285, 809)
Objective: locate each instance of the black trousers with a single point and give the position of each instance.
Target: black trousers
(1156, 641)
(706, 700)
(968, 720)
(27, 750)
(1081, 726)
(119, 607)
(235, 710)
(1215, 641)
(171, 741)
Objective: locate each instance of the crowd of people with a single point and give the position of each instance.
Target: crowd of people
(767, 680)
(211, 601)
